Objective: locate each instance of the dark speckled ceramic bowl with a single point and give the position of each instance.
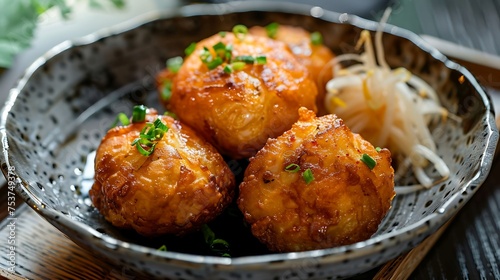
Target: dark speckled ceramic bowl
(61, 108)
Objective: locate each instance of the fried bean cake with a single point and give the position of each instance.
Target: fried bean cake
(316, 186)
(252, 95)
(183, 184)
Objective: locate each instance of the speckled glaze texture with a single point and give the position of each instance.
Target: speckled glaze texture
(68, 99)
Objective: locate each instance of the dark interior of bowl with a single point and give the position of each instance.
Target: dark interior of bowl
(52, 127)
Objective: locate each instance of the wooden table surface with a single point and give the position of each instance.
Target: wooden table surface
(466, 247)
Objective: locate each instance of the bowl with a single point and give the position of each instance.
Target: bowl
(57, 114)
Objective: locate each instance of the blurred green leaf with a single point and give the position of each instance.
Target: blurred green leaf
(118, 3)
(17, 24)
(19, 18)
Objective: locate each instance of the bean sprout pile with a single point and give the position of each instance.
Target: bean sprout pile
(390, 108)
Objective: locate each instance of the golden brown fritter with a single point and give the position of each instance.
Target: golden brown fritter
(237, 112)
(182, 185)
(316, 57)
(343, 204)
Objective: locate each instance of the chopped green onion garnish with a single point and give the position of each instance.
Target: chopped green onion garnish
(261, 59)
(149, 137)
(222, 34)
(139, 113)
(220, 49)
(308, 176)
(190, 49)
(228, 69)
(214, 63)
(292, 168)
(229, 52)
(240, 31)
(143, 151)
(272, 30)
(245, 58)
(166, 92)
(208, 234)
(218, 246)
(163, 248)
(369, 161)
(121, 117)
(207, 58)
(174, 64)
(316, 38)
(378, 149)
(205, 55)
(238, 65)
(219, 46)
(170, 114)
(160, 126)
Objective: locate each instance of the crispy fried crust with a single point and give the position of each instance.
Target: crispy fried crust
(344, 203)
(238, 112)
(182, 185)
(316, 58)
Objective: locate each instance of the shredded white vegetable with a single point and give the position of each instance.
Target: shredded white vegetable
(391, 108)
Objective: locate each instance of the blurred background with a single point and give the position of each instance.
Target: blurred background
(471, 23)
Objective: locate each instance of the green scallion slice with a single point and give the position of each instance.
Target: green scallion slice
(292, 168)
(218, 246)
(316, 38)
(163, 248)
(261, 59)
(220, 49)
(174, 64)
(139, 113)
(229, 52)
(228, 69)
(369, 161)
(166, 92)
(240, 31)
(248, 59)
(160, 125)
(208, 234)
(378, 149)
(149, 136)
(206, 56)
(272, 30)
(170, 114)
(308, 176)
(122, 118)
(145, 152)
(214, 63)
(190, 49)
(238, 65)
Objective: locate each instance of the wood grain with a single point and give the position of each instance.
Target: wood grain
(403, 266)
(43, 252)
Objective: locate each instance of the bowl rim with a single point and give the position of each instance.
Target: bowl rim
(359, 249)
